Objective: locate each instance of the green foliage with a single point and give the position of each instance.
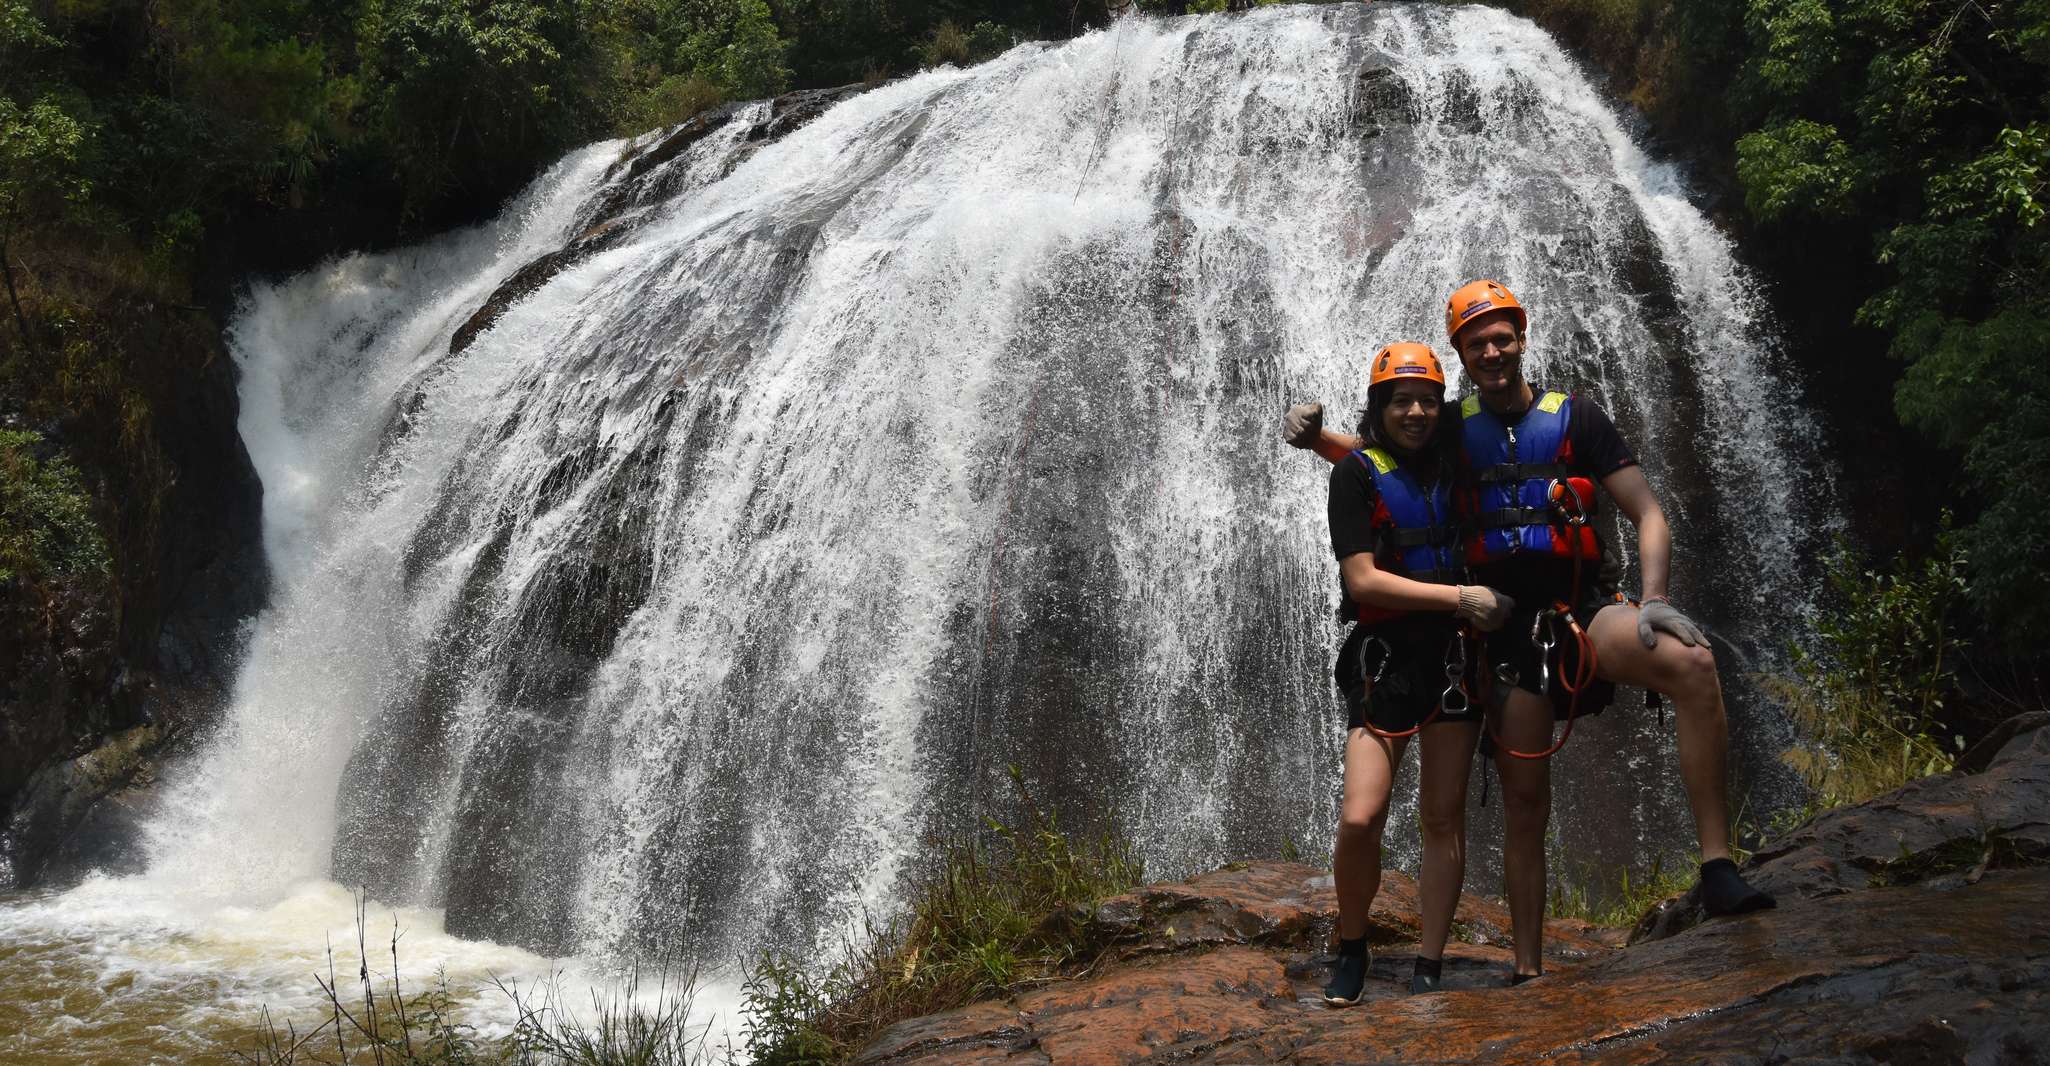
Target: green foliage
(947, 44)
(463, 89)
(1869, 697)
(46, 523)
(40, 148)
(986, 917)
(1620, 899)
(1921, 130)
(988, 40)
(1796, 41)
(1796, 166)
(783, 1009)
(736, 47)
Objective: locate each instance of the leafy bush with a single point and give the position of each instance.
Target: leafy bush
(46, 522)
(735, 45)
(1869, 697)
(985, 918)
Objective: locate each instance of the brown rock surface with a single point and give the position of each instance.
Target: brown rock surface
(1890, 944)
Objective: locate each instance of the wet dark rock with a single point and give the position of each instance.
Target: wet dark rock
(637, 181)
(529, 278)
(1934, 828)
(1227, 967)
(60, 819)
(83, 659)
(1382, 99)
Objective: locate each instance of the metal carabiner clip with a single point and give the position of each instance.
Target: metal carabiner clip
(1557, 494)
(1544, 639)
(1387, 653)
(1455, 677)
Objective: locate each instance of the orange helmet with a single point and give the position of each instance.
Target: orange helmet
(1405, 359)
(1476, 298)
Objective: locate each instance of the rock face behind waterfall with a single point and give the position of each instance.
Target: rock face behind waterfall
(1909, 929)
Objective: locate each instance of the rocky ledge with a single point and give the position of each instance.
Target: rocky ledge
(1913, 928)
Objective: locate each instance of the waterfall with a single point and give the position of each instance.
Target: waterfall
(658, 566)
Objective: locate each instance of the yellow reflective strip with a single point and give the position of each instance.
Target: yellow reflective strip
(1552, 402)
(1383, 462)
(1470, 406)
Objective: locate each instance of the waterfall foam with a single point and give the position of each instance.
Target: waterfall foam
(839, 469)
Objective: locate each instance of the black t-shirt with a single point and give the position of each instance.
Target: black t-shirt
(1598, 451)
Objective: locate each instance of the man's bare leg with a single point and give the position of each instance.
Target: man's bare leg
(1687, 677)
(1526, 725)
(1441, 818)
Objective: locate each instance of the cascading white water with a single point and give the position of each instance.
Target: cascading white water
(669, 613)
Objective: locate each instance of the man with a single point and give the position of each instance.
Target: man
(1528, 458)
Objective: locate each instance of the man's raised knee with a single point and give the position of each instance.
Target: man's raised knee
(1692, 669)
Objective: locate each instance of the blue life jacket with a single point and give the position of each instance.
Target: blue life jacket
(1517, 482)
(1413, 531)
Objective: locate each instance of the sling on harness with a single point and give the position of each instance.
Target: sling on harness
(1453, 699)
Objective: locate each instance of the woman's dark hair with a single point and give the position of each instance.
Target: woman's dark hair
(1440, 456)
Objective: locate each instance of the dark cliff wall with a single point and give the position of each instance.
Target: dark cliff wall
(145, 652)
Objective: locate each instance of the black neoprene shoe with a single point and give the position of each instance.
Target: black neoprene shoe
(1427, 977)
(1520, 978)
(1725, 892)
(1349, 974)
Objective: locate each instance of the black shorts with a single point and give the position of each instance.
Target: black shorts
(1409, 657)
(1511, 653)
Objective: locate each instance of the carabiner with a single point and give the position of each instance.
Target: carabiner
(1387, 653)
(1544, 640)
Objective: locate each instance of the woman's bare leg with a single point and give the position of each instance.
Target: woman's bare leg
(1363, 812)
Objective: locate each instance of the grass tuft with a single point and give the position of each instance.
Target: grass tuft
(383, 1024)
(989, 917)
(1632, 895)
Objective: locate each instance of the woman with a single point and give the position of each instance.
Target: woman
(1403, 667)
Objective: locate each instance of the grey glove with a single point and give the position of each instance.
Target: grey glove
(1482, 606)
(1656, 616)
(1301, 425)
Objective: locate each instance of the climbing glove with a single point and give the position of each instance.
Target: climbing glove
(1302, 424)
(1482, 606)
(1658, 616)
